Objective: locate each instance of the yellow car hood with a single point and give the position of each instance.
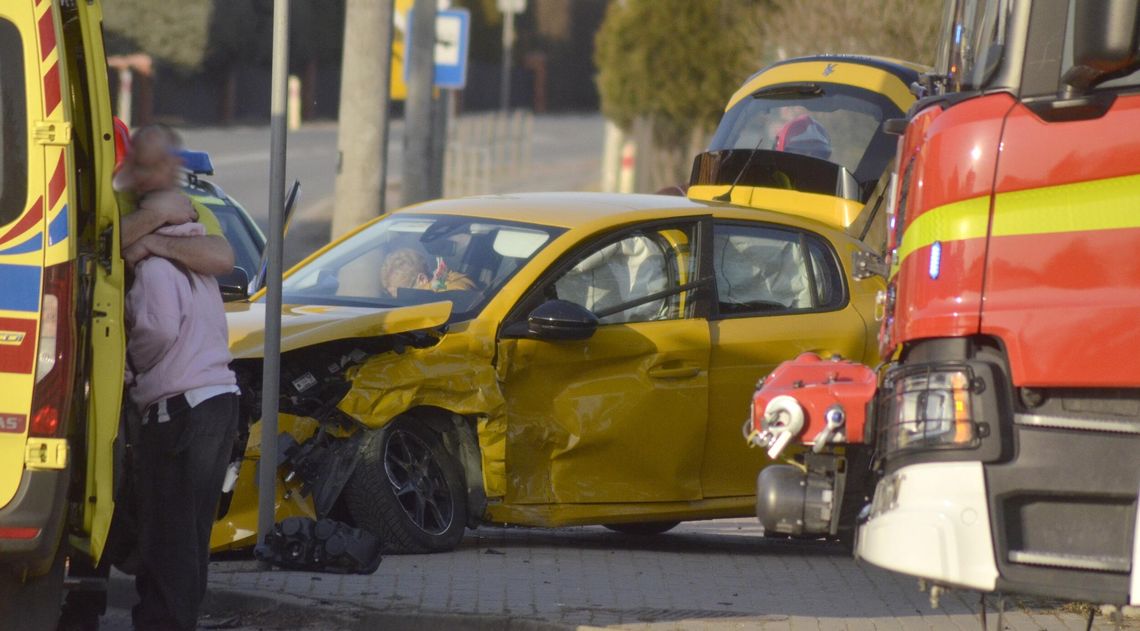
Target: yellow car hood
(307, 325)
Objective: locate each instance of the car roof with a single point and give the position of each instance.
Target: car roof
(591, 211)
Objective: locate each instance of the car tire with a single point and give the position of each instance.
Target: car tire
(644, 528)
(35, 601)
(408, 490)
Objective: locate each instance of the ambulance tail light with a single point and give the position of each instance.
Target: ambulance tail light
(55, 364)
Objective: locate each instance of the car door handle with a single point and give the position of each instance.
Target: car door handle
(674, 370)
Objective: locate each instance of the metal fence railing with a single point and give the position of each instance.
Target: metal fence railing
(486, 153)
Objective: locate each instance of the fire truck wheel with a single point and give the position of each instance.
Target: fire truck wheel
(644, 528)
(408, 490)
(34, 601)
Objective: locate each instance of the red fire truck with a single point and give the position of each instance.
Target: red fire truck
(1001, 434)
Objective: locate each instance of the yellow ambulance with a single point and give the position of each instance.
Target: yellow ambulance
(61, 330)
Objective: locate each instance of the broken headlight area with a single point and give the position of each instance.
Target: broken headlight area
(313, 378)
(300, 543)
(320, 466)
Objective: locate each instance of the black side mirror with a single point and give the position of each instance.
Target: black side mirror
(561, 320)
(1104, 42)
(234, 284)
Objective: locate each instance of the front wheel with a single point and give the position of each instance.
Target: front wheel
(409, 491)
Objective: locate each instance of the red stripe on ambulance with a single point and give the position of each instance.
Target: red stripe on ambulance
(34, 216)
(51, 89)
(47, 35)
(58, 182)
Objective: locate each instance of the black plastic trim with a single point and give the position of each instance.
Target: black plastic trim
(1054, 109)
(1100, 473)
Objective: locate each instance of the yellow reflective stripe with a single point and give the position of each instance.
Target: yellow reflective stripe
(958, 221)
(1106, 204)
(853, 74)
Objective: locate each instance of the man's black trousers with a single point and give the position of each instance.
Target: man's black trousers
(182, 464)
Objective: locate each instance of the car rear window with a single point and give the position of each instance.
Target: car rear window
(14, 127)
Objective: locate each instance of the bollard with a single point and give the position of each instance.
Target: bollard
(126, 76)
(294, 106)
(628, 162)
(611, 157)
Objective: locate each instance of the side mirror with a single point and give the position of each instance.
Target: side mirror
(561, 320)
(1104, 42)
(234, 284)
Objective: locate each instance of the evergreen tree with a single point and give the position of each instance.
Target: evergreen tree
(176, 33)
(674, 62)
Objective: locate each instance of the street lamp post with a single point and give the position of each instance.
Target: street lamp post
(271, 376)
(509, 8)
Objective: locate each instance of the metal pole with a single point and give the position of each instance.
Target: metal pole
(271, 376)
(508, 44)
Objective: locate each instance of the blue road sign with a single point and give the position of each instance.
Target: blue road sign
(452, 31)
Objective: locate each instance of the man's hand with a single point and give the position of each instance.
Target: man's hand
(160, 208)
(173, 207)
(136, 252)
(209, 254)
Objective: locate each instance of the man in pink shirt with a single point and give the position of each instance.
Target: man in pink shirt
(188, 400)
(180, 384)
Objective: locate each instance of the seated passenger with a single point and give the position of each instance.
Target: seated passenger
(806, 136)
(409, 268)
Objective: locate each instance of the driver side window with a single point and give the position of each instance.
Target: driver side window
(621, 280)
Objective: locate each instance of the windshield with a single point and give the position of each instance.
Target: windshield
(837, 123)
(973, 36)
(418, 259)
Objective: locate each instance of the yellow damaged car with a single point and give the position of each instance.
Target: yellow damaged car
(539, 359)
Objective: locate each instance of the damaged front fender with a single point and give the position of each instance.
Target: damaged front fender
(346, 372)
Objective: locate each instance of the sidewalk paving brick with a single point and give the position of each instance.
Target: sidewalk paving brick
(714, 575)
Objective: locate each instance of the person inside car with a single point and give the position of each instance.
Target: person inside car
(806, 136)
(409, 268)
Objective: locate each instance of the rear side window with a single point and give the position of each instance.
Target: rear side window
(14, 127)
(763, 270)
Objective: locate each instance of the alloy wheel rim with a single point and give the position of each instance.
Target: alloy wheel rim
(418, 482)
